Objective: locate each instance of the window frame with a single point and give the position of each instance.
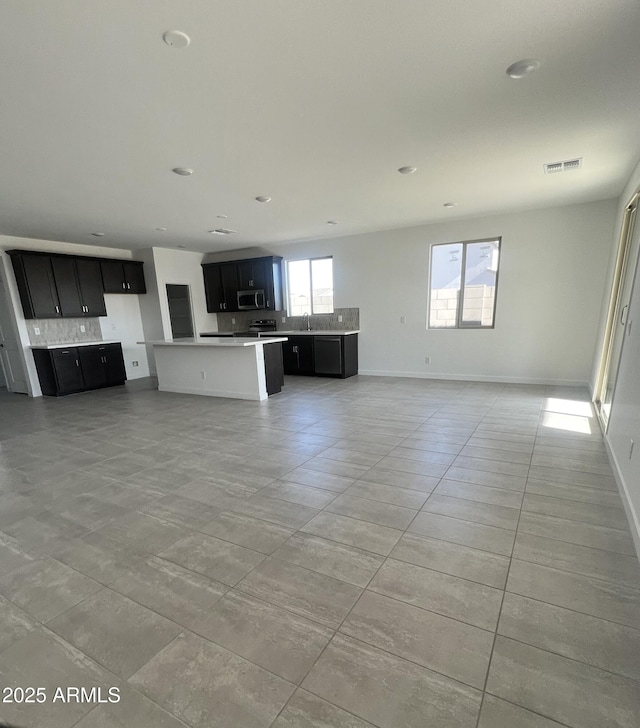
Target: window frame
(459, 324)
(309, 261)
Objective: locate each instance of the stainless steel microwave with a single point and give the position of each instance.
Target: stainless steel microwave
(249, 300)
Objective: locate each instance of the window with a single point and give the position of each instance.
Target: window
(310, 286)
(463, 284)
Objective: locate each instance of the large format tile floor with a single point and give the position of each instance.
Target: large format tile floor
(368, 552)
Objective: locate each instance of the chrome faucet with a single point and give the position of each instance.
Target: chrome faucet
(305, 321)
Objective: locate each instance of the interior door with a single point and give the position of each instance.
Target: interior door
(10, 349)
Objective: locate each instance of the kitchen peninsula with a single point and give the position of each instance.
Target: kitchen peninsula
(239, 368)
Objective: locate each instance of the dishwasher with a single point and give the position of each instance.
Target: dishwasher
(328, 355)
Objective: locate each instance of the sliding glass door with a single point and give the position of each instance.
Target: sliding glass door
(617, 316)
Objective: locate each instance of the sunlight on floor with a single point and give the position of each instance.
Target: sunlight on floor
(574, 415)
(582, 408)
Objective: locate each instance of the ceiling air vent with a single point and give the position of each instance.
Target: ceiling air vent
(222, 231)
(565, 166)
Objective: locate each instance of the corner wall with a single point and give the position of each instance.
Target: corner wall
(624, 419)
(551, 282)
(123, 310)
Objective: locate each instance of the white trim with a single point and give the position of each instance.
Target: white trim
(634, 518)
(475, 378)
(213, 393)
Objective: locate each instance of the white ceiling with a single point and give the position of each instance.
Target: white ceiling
(315, 103)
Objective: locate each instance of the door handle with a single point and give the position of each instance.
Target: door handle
(624, 308)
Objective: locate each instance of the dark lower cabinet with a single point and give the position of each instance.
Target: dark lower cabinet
(273, 367)
(78, 369)
(322, 356)
(297, 355)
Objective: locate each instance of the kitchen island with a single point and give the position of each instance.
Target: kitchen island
(239, 368)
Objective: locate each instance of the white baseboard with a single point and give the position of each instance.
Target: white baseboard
(474, 378)
(634, 519)
(211, 393)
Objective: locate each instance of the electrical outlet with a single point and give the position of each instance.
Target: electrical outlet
(631, 449)
(403, 319)
(233, 321)
(114, 327)
(203, 374)
(83, 328)
(283, 320)
(339, 318)
(134, 363)
(427, 360)
(36, 331)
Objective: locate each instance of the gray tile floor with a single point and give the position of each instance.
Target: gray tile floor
(368, 552)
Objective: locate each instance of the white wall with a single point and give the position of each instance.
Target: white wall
(172, 266)
(123, 323)
(125, 315)
(552, 275)
(624, 420)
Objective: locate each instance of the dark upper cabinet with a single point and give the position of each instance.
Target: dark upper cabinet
(254, 273)
(222, 281)
(79, 286)
(54, 285)
(221, 286)
(90, 282)
(122, 276)
(65, 276)
(36, 285)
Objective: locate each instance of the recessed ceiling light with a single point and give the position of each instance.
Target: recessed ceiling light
(262, 198)
(222, 217)
(183, 171)
(98, 235)
(161, 230)
(449, 205)
(176, 38)
(522, 68)
(332, 222)
(407, 170)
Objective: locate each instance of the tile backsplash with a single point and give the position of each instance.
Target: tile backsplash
(322, 322)
(63, 331)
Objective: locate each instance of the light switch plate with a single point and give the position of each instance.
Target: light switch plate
(83, 328)
(36, 331)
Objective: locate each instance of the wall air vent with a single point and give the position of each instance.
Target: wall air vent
(222, 231)
(565, 166)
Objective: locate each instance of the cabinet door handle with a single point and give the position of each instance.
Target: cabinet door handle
(267, 303)
(57, 309)
(129, 286)
(124, 285)
(225, 306)
(77, 363)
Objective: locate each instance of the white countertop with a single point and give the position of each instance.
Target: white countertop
(72, 344)
(313, 332)
(288, 332)
(224, 341)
